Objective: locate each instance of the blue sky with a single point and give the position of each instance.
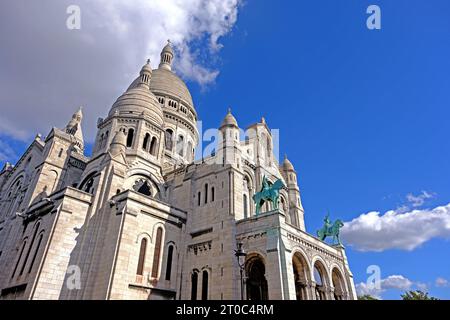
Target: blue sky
(363, 115)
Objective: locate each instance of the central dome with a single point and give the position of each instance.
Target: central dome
(165, 82)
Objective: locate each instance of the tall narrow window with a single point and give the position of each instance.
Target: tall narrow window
(169, 262)
(157, 254)
(36, 252)
(169, 139)
(190, 151)
(213, 191)
(140, 268)
(206, 193)
(145, 143)
(245, 206)
(20, 257)
(29, 248)
(105, 141)
(199, 198)
(194, 282)
(153, 146)
(130, 138)
(205, 285)
(180, 146)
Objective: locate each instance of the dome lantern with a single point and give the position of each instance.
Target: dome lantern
(167, 55)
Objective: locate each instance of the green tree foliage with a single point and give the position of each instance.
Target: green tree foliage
(417, 295)
(367, 297)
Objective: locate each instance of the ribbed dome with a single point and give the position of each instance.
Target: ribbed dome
(229, 120)
(166, 82)
(287, 165)
(139, 100)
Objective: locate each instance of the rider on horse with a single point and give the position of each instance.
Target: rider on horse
(328, 223)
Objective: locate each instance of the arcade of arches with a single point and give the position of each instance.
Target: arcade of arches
(308, 286)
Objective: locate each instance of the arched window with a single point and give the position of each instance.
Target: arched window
(206, 193)
(169, 262)
(213, 195)
(141, 262)
(194, 283)
(168, 139)
(20, 257)
(180, 146)
(205, 285)
(36, 251)
(143, 187)
(153, 146)
(146, 140)
(130, 138)
(157, 254)
(245, 207)
(29, 248)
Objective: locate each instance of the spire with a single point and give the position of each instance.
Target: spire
(145, 75)
(118, 143)
(74, 129)
(167, 55)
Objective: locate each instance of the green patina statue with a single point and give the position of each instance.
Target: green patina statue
(268, 193)
(330, 230)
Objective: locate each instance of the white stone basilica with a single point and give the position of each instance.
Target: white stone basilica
(141, 219)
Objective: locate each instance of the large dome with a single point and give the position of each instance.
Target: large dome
(166, 82)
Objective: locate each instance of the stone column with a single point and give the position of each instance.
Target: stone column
(312, 290)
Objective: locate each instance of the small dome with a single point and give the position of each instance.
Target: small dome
(287, 165)
(229, 120)
(139, 100)
(147, 68)
(168, 48)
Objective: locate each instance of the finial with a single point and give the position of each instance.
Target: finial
(285, 156)
(168, 41)
(148, 61)
(229, 110)
(263, 121)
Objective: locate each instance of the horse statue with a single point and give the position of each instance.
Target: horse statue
(330, 230)
(268, 193)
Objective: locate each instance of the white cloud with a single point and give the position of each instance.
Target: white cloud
(419, 200)
(441, 282)
(182, 21)
(395, 229)
(48, 71)
(397, 282)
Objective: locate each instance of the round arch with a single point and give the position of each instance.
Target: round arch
(339, 283)
(302, 274)
(256, 284)
(321, 277)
